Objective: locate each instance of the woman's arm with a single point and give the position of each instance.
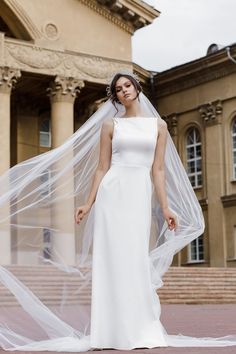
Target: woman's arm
(158, 173)
(102, 168)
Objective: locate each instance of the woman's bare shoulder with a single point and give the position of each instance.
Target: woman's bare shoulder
(108, 123)
(162, 126)
(107, 126)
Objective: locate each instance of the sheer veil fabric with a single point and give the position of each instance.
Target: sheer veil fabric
(37, 203)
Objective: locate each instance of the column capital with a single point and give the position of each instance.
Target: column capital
(64, 89)
(172, 123)
(8, 78)
(211, 113)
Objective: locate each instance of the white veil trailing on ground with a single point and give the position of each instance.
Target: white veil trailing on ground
(37, 231)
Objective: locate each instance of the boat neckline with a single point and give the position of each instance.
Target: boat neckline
(134, 117)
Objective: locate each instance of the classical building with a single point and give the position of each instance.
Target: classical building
(56, 58)
(198, 101)
(54, 68)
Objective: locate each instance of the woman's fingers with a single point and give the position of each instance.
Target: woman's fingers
(172, 223)
(78, 216)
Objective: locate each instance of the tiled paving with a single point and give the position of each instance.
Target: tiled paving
(192, 320)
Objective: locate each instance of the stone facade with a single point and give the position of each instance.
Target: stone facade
(202, 95)
(56, 64)
(56, 59)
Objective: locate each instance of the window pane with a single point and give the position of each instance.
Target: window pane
(191, 166)
(192, 180)
(190, 137)
(197, 136)
(46, 243)
(197, 249)
(45, 125)
(45, 139)
(198, 151)
(199, 165)
(45, 133)
(234, 126)
(190, 153)
(193, 152)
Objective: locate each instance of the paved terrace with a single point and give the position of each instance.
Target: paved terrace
(192, 320)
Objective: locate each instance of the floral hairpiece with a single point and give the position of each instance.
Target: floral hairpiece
(108, 88)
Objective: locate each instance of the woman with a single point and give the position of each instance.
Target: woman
(137, 209)
(123, 211)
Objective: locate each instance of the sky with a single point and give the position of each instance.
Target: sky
(183, 32)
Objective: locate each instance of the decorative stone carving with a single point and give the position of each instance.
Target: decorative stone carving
(211, 112)
(8, 78)
(65, 89)
(36, 59)
(172, 123)
(51, 31)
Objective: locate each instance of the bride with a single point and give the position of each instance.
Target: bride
(136, 209)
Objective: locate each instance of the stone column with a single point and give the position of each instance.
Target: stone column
(211, 114)
(62, 95)
(8, 78)
(172, 124)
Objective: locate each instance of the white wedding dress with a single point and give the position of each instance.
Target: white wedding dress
(125, 308)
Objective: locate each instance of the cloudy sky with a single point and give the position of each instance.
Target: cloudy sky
(183, 32)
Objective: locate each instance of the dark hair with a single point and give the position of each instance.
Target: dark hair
(112, 87)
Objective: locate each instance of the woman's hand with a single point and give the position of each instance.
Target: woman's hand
(81, 212)
(170, 219)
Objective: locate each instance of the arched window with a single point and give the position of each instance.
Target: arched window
(194, 157)
(45, 133)
(234, 147)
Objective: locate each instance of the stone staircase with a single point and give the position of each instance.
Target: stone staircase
(182, 285)
(187, 285)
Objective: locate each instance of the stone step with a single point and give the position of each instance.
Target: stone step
(183, 285)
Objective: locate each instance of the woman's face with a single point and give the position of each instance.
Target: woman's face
(125, 91)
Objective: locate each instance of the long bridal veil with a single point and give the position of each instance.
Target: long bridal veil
(46, 269)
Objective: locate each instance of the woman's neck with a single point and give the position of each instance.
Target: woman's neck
(133, 110)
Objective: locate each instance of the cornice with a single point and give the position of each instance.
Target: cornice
(143, 74)
(208, 68)
(93, 5)
(228, 200)
(142, 9)
(126, 14)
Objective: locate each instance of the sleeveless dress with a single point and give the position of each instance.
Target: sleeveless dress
(125, 309)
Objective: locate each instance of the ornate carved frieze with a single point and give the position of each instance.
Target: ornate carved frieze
(65, 88)
(211, 112)
(8, 78)
(36, 59)
(172, 123)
